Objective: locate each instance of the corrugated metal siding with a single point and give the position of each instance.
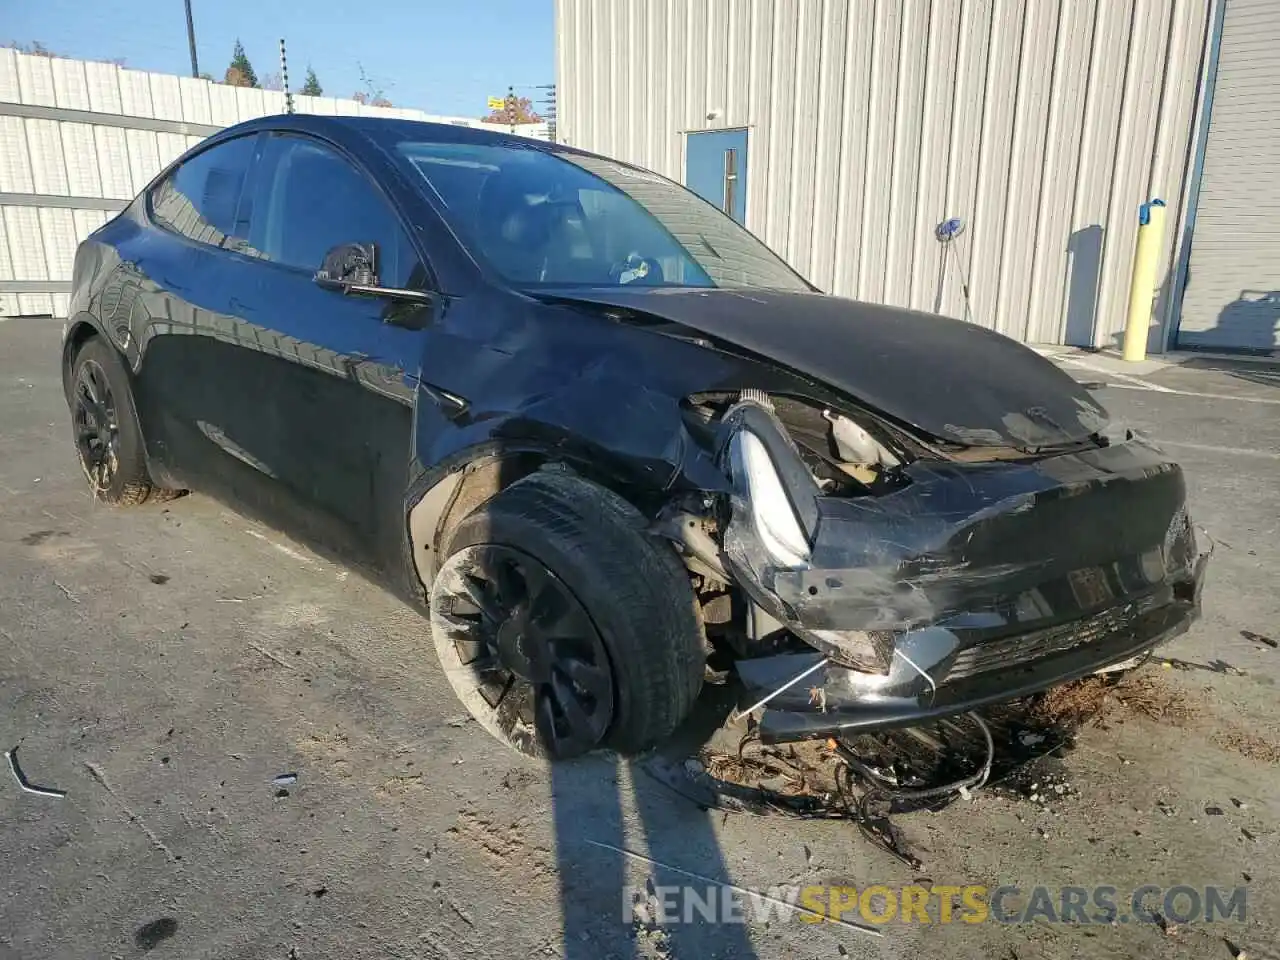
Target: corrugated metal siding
(74, 159)
(1232, 296)
(1043, 123)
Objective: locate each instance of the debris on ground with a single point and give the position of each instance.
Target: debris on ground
(1010, 749)
(150, 935)
(1096, 700)
(1259, 638)
(271, 656)
(284, 780)
(11, 756)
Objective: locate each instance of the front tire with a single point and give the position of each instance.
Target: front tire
(109, 445)
(562, 626)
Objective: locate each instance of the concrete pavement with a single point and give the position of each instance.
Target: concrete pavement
(164, 664)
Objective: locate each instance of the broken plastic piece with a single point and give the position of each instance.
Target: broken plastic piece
(28, 787)
(284, 779)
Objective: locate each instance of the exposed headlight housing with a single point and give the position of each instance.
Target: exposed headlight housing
(773, 517)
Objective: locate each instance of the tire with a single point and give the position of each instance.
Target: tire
(633, 589)
(101, 402)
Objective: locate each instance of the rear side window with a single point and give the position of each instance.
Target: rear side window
(308, 199)
(201, 199)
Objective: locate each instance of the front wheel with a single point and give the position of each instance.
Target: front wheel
(562, 626)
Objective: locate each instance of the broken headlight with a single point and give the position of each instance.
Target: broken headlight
(772, 482)
(772, 516)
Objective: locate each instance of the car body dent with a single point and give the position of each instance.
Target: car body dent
(1031, 573)
(951, 379)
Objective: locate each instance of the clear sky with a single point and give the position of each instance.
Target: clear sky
(443, 56)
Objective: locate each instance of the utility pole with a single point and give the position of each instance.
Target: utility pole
(511, 108)
(548, 103)
(284, 80)
(191, 40)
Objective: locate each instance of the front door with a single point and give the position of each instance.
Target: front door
(334, 376)
(716, 169)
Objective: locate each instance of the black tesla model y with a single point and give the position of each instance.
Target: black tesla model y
(596, 432)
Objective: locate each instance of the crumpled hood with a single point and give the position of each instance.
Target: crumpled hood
(949, 378)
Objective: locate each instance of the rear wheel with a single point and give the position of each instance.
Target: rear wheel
(108, 443)
(562, 626)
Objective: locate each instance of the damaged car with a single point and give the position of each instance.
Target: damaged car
(597, 433)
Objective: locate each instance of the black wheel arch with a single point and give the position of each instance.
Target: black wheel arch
(442, 496)
(83, 328)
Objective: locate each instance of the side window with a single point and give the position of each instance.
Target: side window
(200, 199)
(309, 199)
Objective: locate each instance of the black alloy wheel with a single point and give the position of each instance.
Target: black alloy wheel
(511, 632)
(96, 423)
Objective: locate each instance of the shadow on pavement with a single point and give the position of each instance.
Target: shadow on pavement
(604, 913)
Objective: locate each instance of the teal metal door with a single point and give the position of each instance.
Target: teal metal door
(715, 168)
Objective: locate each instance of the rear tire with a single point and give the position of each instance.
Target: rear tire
(109, 445)
(639, 611)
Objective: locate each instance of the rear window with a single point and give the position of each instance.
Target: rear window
(201, 198)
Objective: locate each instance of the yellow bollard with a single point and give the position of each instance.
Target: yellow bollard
(1143, 290)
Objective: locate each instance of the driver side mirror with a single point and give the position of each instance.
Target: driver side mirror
(352, 270)
(350, 263)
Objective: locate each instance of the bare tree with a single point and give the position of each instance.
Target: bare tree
(372, 93)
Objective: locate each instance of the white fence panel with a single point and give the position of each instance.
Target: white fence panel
(113, 162)
(48, 168)
(70, 89)
(15, 161)
(146, 121)
(81, 157)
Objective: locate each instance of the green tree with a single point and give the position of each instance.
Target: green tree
(240, 73)
(311, 86)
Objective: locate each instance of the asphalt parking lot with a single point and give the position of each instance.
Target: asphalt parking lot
(164, 665)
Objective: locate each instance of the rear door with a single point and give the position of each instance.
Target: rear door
(171, 304)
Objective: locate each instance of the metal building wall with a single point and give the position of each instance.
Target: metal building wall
(78, 140)
(1043, 123)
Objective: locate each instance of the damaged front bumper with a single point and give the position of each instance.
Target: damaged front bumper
(971, 584)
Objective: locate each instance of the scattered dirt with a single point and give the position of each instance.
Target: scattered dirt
(400, 786)
(506, 847)
(330, 750)
(1247, 745)
(1149, 695)
(1097, 700)
(1072, 704)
